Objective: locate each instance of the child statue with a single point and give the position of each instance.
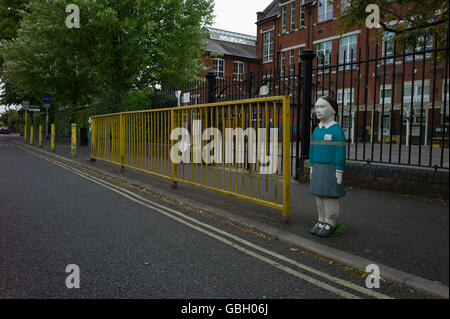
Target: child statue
(327, 161)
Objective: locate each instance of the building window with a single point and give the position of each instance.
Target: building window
(344, 5)
(300, 51)
(385, 95)
(388, 45)
(283, 19)
(195, 99)
(347, 98)
(416, 95)
(347, 48)
(325, 10)
(238, 73)
(219, 68)
(321, 93)
(291, 63)
(324, 53)
(268, 47)
(421, 42)
(292, 15)
(446, 91)
(282, 65)
(302, 14)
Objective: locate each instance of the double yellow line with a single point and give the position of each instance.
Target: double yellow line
(271, 258)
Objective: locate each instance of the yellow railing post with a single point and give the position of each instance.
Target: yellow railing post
(40, 136)
(25, 130)
(52, 136)
(173, 170)
(93, 140)
(73, 151)
(122, 143)
(286, 158)
(31, 135)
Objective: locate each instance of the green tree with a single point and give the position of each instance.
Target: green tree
(10, 17)
(409, 20)
(121, 46)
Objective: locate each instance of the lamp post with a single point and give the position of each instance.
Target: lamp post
(307, 58)
(308, 5)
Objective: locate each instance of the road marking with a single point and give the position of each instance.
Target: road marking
(165, 211)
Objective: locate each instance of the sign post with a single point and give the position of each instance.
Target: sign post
(25, 107)
(47, 99)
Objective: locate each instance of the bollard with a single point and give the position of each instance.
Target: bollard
(31, 135)
(73, 151)
(40, 136)
(52, 137)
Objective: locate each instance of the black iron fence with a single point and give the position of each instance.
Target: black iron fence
(393, 102)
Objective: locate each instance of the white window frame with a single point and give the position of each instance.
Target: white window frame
(216, 68)
(350, 41)
(195, 98)
(387, 99)
(283, 19)
(388, 44)
(327, 48)
(302, 15)
(292, 15)
(448, 92)
(349, 97)
(268, 43)
(282, 64)
(344, 5)
(291, 62)
(238, 71)
(417, 97)
(319, 94)
(300, 51)
(324, 11)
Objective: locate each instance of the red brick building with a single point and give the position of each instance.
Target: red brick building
(395, 86)
(230, 54)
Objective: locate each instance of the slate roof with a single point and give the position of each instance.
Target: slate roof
(230, 46)
(271, 11)
(233, 49)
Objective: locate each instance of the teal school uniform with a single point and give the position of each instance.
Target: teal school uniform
(327, 154)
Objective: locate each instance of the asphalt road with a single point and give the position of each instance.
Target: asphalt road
(129, 244)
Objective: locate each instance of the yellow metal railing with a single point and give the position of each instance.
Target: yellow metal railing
(230, 158)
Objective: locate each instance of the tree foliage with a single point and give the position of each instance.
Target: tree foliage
(409, 20)
(120, 46)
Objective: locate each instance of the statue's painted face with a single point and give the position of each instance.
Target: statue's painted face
(324, 111)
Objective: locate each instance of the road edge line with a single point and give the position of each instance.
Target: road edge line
(340, 256)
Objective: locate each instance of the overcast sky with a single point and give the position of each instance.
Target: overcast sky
(238, 15)
(234, 15)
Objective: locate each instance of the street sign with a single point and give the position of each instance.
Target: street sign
(25, 105)
(186, 97)
(34, 108)
(46, 106)
(47, 98)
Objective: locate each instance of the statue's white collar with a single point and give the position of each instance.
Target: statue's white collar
(328, 125)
